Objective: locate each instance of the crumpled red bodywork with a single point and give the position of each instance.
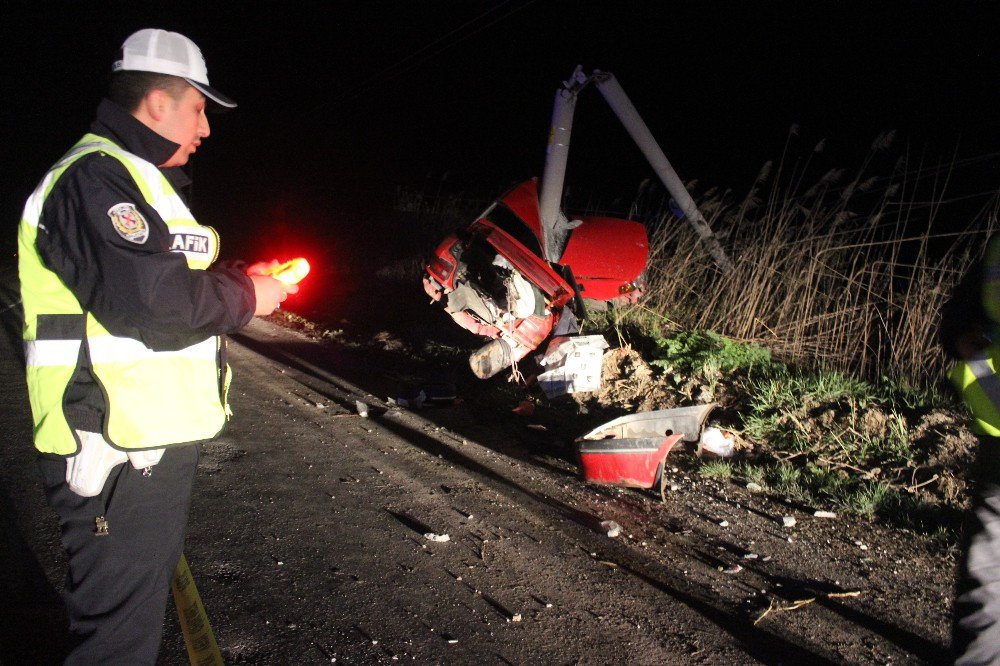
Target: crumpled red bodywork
(606, 258)
(626, 462)
(606, 255)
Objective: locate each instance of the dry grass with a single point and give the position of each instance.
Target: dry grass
(846, 274)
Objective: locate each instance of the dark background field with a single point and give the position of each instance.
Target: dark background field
(342, 104)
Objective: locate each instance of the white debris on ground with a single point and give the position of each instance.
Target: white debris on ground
(611, 527)
(717, 442)
(574, 365)
(431, 536)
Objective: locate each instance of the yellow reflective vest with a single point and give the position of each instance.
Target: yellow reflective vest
(152, 398)
(979, 385)
(976, 378)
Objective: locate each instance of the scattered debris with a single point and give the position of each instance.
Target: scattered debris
(714, 441)
(795, 605)
(574, 364)
(341, 415)
(421, 392)
(788, 521)
(440, 392)
(735, 569)
(611, 527)
(824, 514)
(750, 556)
(431, 536)
(723, 523)
(524, 408)
(362, 409)
(416, 402)
(755, 487)
(516, 617)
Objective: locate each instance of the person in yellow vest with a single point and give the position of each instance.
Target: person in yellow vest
(970, 333)
(124, 340)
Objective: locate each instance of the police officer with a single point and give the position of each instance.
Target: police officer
(969, 332)
(124, 342)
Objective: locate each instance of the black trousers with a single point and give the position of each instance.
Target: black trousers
(117, 584)
(976, 629)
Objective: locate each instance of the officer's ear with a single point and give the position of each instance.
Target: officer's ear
(155, 105)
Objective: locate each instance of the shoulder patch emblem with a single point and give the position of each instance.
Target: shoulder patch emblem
(129, 223)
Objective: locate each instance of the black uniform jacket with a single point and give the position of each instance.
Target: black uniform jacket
(141, 291)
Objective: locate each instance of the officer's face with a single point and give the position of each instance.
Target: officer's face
(184, 122)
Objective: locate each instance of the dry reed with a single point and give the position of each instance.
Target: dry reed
(848, 277)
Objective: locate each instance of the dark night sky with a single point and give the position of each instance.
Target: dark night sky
(342, 101)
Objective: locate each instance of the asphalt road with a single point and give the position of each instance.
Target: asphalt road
(307, 539)
(307, 542)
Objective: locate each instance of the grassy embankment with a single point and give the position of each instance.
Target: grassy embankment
(821, 340)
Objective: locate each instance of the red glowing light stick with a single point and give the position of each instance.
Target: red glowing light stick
(290, 272)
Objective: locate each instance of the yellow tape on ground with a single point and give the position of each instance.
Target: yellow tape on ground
(198, 637)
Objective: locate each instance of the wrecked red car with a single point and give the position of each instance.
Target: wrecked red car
(493, 279)
(523, 269)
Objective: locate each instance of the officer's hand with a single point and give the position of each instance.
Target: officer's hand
(262, 267)
(269, 293)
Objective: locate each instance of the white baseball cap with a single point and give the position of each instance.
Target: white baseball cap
(163, 52)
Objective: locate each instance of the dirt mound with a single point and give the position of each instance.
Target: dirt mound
(948, 450)
(629, 382)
